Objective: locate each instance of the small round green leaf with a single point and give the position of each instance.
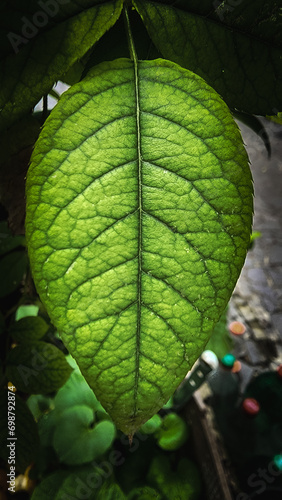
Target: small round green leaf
(173, 433)
(77, 440)
(152, 424)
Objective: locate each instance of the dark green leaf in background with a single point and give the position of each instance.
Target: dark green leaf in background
(139, 208)
(110, 492)
(31, 72)
(184, 483)
(256, 17)
(13, 267)
(29, 328)
(15, 150)
(83, 482)
(244, 68)
(260, 19)
(13, 141)
(144, 493)
(50, 485)
(8, 242)
(37, 367)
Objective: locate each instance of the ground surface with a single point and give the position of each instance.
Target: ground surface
(257, 298)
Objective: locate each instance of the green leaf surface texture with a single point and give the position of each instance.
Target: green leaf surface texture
(139, 208)
(242, 65)
(29, 73)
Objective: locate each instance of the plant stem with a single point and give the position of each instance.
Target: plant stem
(45, 108)
(132, 51)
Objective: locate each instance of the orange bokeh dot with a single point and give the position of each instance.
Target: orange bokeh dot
(236, 367)
(237, 328)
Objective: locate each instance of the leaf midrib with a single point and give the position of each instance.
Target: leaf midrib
(139, 271)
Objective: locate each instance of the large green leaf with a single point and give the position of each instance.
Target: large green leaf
(31, 70)
(139, 207)
(239, 59)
